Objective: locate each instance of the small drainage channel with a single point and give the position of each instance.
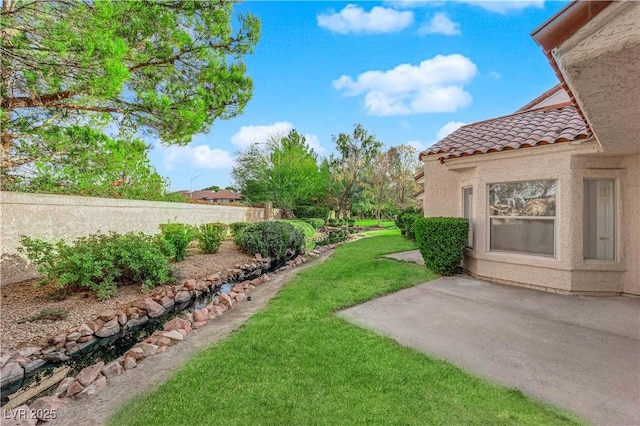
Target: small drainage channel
(42, 381)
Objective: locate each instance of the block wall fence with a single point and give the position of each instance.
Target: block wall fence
(54, 217)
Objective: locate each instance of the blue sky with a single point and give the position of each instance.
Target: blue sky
(408, 71)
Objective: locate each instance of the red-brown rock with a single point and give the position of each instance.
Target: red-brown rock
(107, 315)
(89, 374)
(176, 323)
(112, 369)
(109, 328)
(129, 363)
(200, 315)
(196, 325)
(74, 389)
(46, 407)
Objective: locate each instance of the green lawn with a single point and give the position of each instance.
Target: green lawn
(296, 363)
(370, 223)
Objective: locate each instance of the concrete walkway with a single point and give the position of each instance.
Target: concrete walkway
(578, 353)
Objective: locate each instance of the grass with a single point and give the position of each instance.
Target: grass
(383, 232)
(372, 223)
(295, 362)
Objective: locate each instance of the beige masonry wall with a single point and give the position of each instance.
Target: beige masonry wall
(54, 217)
(569, 164)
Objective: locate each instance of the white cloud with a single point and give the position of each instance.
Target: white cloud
(314, 142)
(503, 6)
(248, 135)
(449, 128)
(494, 75)
(354, 19)
(440, 24)
(411, 4)
(434, 85)
(201, 156)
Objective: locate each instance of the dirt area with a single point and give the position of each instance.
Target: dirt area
(20, 302)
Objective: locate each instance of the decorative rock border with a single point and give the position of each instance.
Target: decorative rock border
(92, 379)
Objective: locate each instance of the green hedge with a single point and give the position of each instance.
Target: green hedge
(271, 239)
(100, 262)
(441, 241)
(302, 212)
(405, 221)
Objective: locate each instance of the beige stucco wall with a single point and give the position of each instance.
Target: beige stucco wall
(54, 217)
(569, 164)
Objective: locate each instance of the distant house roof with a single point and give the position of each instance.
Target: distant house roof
(205, 194)
(541, 126)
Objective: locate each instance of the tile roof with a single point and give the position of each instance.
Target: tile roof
(543, 126)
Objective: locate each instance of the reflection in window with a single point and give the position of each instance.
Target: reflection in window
(522, 217)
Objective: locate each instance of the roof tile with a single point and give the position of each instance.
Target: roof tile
(520, 130)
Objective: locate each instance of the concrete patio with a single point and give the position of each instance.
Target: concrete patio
(578, 353)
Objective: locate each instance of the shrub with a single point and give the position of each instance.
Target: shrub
(237, 227)
(179, 235)
(211, 235)
(441, 241)
(315, 222)
(101, 261)
(333, 222)
(307, 230)
(311, 212)
(405, 221)
(333, 236)
(271, 239)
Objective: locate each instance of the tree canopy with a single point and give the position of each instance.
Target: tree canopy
(164, 68)
(349, 168)
(284, 170)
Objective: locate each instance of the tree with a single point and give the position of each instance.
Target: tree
(164, 68)
(214, 188)
(94, 165)
(348, 170)
(284, 171)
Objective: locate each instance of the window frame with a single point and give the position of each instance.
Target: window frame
(615, 218)
(471, 239)
(551, 218)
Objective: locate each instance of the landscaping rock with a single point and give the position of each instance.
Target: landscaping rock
(190, 284)
(167, 303)
(73, 337)
(182, 297)
(22, 361)
(161, 349)
(93, 388)
(29, 351)
(154, 309)
(240, 297)
(136, 353)
(95, 325)
(59, 339)
(163, 341)
(196, 325)
(173, 335)
(89, 374)
(200, 315)
(85, 330)
(61, 390)
(129, 363)
(11, 372)
(266, 278)
(176, 323)
(148, 348)
(107, 316)
(122, 318)
(112, 369)
(225, 299)
(74, 389)
(109, 328)
(34, 365)
(135, 322)
(55, 357)
(46, 407)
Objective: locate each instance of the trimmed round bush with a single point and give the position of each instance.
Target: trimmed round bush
(271, 239)
(237, 227)
(441, 241)
(307, 230)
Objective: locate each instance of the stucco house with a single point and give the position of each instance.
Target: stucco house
(213, 197)
(552, 191)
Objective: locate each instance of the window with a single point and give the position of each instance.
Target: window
(522, 217)
(467, 207)
(599, 219)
